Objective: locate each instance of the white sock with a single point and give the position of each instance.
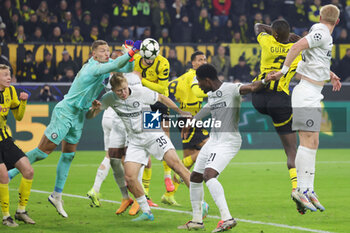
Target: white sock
(101, 174)
(305, 161)
(57, 195)
(217, 192)
(143, 204)
(196, 196)
(118, 173)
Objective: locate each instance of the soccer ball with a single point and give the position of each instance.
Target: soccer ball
(149, 49)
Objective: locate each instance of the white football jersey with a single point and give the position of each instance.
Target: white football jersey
(130, 110)
(316, 61)
(133, 80)
(224, 105)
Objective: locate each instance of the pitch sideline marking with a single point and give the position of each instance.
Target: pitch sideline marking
(231, 164)
(188, 212)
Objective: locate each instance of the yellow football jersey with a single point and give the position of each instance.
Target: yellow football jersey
(156, 76)
(186, 91)
(273, 55)
(9, 101)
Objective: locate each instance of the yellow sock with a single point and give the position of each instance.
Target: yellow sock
(24, 192)
(187, 161)
(167, 170)
(5, 199)
(293, 177)
(146, 179)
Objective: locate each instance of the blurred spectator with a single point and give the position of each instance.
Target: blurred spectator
(7, 11)
(78, 11)
(47, 68)
(222, 10)
(267, 20)
(76, 37)
(37, 36)
(94, 34)
(195, 10)
(114, 37)
(256, 6)
(343, 38)
(46, 95)
(258, 18)
(176, 67)
(237, 38)
(176, 11)
(67, 25)
(186, 30)
(86, 25)
(244, 29)
(217, 31)
(160, 18)
(20, 35)
(66, 63)
(240, 72)
(50, 25)
(56, 35)
(26, 71)
(144, 19)
(344, 67)
(228, 31)
(12, 27)
(146, 34)
(31, 24)
(43, 11)
(26, 12)
(314, 12)
(202, 27)
(124, 15)
(126, 35)
(61, 10)
(297, 17)
(273, 9)
(164, 39)
(4, 38)
(221, 62)
(104, 26)
(342, 19)
(68, 77)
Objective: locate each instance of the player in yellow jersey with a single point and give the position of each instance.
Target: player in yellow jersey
(10, 155)
(155, 76)
(185, 90)
(275, 100)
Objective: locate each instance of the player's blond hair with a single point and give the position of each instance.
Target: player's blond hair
(116, 80)
(4, 67)
(330, 13)
(97, 43)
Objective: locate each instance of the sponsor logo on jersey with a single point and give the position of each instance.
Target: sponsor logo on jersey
(218, 105)
(151, 120)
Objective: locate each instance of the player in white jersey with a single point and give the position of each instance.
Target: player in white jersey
(115, 142)
(129, 103)
(224, 101)
(313, 70)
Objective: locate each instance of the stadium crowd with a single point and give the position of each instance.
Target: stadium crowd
(168, 21)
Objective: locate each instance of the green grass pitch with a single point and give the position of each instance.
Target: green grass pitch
(256, 185)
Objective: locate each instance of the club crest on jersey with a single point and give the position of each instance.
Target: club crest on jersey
(317, 36)
(136, 104)
(309, 123)
(54, 135)
(151, 120)
(219, 94)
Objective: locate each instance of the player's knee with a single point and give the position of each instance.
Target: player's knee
(4, 178)
(28, 173)
(130, 178)
(68, 156)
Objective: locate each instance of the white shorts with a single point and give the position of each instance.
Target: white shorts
(306, 104)
(156, 144)
(107, 128)
(118, 136)
(216, 155)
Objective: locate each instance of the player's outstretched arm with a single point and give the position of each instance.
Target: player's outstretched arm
(18, 112)
(294, 51)
(94, 109)
(170, 104)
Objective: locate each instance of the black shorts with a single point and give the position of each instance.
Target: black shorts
(10, 153)
(278, 106)
(162, 109)
(195, 137)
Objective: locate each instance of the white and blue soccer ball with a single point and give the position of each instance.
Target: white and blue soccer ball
(149, 49)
